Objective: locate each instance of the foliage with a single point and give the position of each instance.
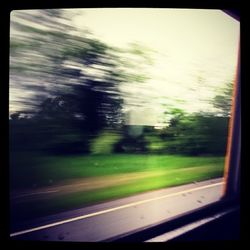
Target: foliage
(74, 79)
(197, 135)
(223, 101)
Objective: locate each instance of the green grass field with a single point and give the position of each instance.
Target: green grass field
(120, 176)
(34, 171)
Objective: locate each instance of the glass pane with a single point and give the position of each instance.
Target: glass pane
(118, 117)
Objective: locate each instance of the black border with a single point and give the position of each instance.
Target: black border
(5, 10)
(207, 4)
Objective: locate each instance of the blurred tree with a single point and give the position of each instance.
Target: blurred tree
(196, 134)
(223, 101)
(15, 116)
(73, 79)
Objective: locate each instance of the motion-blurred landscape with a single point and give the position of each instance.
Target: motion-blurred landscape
(88, 122)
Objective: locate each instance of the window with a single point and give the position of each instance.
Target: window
(104, 118)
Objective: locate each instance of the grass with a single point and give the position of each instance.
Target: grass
(39, 170)
(155, 172)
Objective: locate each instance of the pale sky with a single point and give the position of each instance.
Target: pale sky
(195, 55)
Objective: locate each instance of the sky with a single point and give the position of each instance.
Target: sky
(195, 54)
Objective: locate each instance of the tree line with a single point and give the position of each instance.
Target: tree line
(77, 95)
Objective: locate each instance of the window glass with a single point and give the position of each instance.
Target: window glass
(118, 117)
